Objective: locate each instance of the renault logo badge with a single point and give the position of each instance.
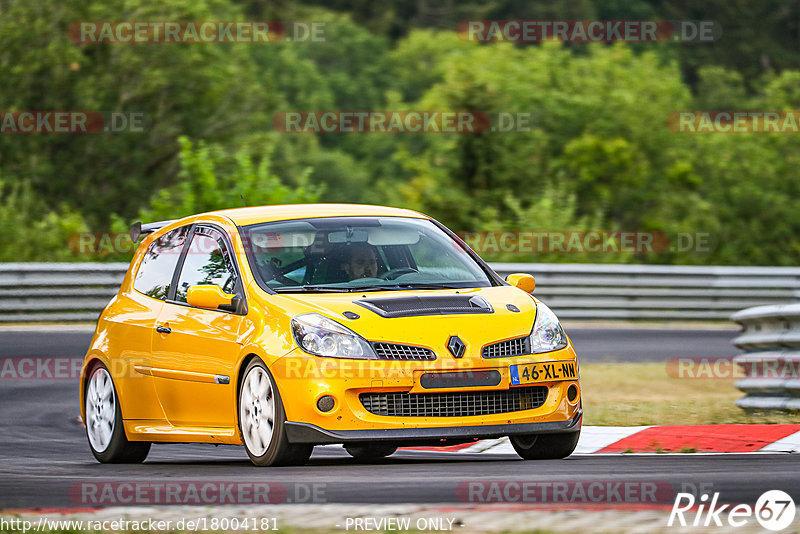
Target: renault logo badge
(456, 347)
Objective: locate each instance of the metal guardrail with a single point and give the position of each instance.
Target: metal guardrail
(32, 292)
(38, 292)
(770, 338)
(656, 292)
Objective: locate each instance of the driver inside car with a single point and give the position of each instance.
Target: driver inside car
(360, 261)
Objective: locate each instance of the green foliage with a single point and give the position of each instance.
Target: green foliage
(600, 138)
(721, 89)
(597, 154)
(30, 236)
(200, 90)
(211, 179)
(420, 60)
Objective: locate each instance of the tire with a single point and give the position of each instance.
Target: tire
(366, 452)
(545, 446)
(104, 428)
(261, 418)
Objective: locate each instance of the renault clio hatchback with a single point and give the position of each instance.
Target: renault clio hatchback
(284, 327)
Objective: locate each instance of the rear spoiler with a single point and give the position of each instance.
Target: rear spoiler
(138, 229)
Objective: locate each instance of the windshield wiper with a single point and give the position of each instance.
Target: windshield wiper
(339, 289)
(312, 289)
(425, 285)
(404, 286)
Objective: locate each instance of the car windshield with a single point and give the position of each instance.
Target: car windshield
(358, 254)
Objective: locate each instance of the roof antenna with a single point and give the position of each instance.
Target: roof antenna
(242, 197)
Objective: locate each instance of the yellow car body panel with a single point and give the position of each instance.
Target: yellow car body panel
(182, 386)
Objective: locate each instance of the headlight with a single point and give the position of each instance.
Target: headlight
(547, 334)
(320, 336)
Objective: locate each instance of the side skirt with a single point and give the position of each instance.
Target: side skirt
(164, 432)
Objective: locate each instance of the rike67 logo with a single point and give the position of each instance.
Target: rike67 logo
(774, 510)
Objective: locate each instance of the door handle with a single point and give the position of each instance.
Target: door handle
(163, 329)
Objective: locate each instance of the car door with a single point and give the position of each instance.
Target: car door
(195, 350)
(131, 326)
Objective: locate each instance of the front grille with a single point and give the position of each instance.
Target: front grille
(394, 351)
(509, 347)
(457, 404)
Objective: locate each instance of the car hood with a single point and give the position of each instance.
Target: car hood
(478, 316)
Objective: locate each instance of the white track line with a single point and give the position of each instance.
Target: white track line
(593, 438)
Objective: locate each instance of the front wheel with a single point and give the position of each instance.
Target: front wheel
(104, 426)
(261, 418)
(545, 446)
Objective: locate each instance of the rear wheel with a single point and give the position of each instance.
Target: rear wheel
(261, 418)
(370, 451)
(545, 446)
(104, 426)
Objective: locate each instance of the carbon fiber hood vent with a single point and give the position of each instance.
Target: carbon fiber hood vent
(428, 305)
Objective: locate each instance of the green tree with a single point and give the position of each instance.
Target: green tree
(211, 179)
(31, 236)
(201, 90)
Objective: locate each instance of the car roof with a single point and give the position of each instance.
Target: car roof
(284, 212)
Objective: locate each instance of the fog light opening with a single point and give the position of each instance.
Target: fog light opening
(572, 393)
(326, 403)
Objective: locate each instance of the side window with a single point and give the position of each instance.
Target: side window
(207, 262)
(156, 270)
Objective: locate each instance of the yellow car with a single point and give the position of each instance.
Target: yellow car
(284, 327)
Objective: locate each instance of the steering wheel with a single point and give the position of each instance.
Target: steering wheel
(391, 274)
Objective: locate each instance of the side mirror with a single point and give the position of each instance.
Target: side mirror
(523, 281)
(212, 297)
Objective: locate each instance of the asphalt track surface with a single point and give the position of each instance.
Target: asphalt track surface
(44, 455)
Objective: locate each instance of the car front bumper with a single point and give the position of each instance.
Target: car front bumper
(307, 433)
(302, 380)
